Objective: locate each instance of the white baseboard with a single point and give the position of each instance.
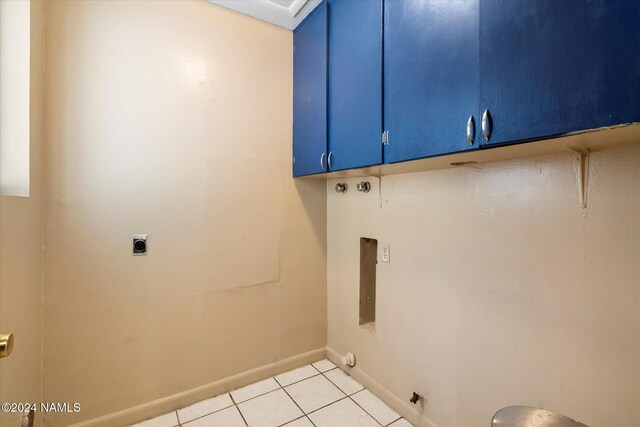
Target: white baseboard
(412, 413)
(188, 397)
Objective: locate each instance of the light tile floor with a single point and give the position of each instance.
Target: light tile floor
(316, 395)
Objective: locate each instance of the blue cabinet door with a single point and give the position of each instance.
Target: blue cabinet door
(355, 83)
(549, 67)
(431, 77)
(310, 43)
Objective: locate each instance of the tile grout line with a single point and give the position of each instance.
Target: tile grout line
(399, 418)
(322, 372)
(356, 392)
(289, 422)
(322, 407)
(238, 409)
(328, 404)
(306, 415)
(374, 418)
(294, 402)
(384, 425)
(208, 413)
(267, 392)
(349, 396)
(296, 382)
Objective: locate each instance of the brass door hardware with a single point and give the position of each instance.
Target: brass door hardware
(6, 345)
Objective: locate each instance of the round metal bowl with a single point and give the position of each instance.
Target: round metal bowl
(527, 416)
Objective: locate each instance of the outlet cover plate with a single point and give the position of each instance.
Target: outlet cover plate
(386, 253)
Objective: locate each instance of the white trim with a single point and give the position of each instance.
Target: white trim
(188, 397)
(296, 6)
(271, 12)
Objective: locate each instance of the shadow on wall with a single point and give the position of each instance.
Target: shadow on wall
(313, 195)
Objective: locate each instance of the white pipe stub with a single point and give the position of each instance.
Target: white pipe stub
(349, 359)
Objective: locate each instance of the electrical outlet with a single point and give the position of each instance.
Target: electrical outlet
(386, 256)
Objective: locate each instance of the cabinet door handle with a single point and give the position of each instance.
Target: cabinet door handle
(486, 118)
(471, 129)
(322, 161)
(6, 345)
(329, 159)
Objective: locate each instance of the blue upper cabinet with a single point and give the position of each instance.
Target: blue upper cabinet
(310, 41)
(431, 77)
(550, 67)
(355, 83)
(444, 76)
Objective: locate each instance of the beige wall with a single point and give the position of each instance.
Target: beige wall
(501, 290)
(172, 118)
(21, 255)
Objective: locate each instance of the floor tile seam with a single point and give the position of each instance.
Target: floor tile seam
(348, 395)
(367, 412)
(238, 409)
(292, 399)
(299, 381)
(208, 413)
(328, 404)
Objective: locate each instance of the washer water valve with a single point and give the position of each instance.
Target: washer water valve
(364, 186)
(416, 398)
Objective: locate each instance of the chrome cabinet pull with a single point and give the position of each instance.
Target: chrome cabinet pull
(471, 130)
(322, 161)
(486, 117)
(329, 159)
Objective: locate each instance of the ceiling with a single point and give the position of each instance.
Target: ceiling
(284, 3)
(284, 13)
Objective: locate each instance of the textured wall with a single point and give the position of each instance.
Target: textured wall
(172, 118)
(501, 290)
